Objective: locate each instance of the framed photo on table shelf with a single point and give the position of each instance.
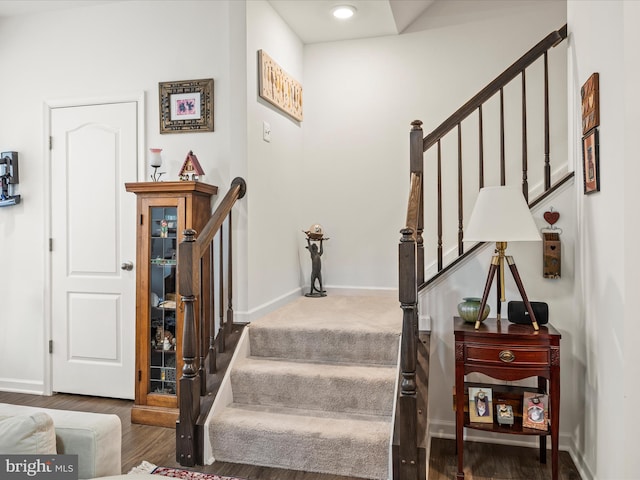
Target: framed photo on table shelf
(480, 405)
(535, 411)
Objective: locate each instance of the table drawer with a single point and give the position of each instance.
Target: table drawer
(506, 356)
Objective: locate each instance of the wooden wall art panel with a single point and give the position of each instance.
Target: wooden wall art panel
(590, 94)
(278, 88)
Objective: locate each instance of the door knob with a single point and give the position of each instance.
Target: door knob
(128, 266)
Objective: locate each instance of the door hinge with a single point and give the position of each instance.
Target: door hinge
(51, 244)
(50, 346)
(139, 375)
(50, 142)
(141, 217)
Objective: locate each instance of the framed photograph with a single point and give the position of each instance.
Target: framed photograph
(186, 106)
(480, 405)
(535, 412)
(591, 162)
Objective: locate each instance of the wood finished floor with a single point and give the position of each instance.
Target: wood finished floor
(157, 445)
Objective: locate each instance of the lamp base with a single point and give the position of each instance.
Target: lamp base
(498, 261)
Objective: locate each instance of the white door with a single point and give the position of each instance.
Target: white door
(94, 152)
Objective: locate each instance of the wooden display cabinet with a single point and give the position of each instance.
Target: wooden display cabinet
(164, 211)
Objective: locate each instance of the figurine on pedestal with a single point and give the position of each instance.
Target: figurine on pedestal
(315, 233)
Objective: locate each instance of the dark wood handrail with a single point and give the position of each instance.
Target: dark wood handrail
(195, 259)
(551, 40)
(236, 192)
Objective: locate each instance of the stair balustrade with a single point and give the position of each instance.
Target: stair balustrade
(196, 270)
(408, 450)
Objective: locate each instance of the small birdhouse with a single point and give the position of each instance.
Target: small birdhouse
(191, 168)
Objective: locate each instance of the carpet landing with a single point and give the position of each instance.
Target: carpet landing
(316, 393)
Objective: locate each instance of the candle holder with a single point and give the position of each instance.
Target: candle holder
(155, 161)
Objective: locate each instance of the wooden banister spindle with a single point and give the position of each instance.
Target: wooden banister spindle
(439, 206)
(230, 279)
(480, 150)
(416, 159)
(211, 317)
(408, 449)
(503, 179)
(221, 328)
(547, 165)
(187, 447)
(525, 181)
(202, 373)
(460, 195)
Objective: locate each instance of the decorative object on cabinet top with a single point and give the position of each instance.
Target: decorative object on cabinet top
(191, 168)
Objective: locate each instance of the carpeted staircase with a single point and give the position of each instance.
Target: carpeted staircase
(316, 392)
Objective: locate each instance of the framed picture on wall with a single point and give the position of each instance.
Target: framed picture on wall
(186, 106)
(591, 161)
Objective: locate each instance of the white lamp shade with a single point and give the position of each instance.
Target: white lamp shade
(501, 214)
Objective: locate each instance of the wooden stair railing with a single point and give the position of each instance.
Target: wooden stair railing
(197, 280)
(408, 451)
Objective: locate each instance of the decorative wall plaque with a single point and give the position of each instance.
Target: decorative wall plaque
(278, 88)
(590, 93)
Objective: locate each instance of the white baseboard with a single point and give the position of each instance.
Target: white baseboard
(22, 386)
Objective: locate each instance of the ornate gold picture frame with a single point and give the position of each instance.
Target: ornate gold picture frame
(186, 106)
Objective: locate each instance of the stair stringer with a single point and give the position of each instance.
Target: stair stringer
(225, 394)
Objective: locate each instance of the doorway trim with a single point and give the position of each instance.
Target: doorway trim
(48, 106)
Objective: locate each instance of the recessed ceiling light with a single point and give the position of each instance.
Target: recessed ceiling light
(343, 11)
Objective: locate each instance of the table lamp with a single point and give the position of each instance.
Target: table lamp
(502, 215)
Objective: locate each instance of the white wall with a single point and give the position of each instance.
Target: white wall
(277, 187)
(604, 39)
(360, 98)
(107, 50)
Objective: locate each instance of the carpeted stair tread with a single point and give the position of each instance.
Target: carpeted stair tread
(315, 386)
(316, 391)
(339, 444)
(337, 329)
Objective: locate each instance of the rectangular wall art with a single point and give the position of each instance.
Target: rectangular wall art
(278, 88)
(590, 95)
(591, 162)
(186, 106)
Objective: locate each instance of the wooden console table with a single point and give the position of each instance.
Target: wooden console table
(508, 352)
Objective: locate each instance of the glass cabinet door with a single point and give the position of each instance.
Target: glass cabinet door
(162, 297)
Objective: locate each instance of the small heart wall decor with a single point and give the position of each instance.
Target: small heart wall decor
(551, 217)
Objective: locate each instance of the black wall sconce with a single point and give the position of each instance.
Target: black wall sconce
(9, 177)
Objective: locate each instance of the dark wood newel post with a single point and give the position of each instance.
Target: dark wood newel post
(187, 448)
(416, 153)
(408, 358)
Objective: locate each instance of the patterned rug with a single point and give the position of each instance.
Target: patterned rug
(146, 467)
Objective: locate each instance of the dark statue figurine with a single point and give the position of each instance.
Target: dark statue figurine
(316, 266)
(316, 234)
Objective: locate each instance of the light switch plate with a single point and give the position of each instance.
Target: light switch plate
(266, 132)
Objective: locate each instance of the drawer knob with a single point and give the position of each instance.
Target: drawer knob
(507, 356)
